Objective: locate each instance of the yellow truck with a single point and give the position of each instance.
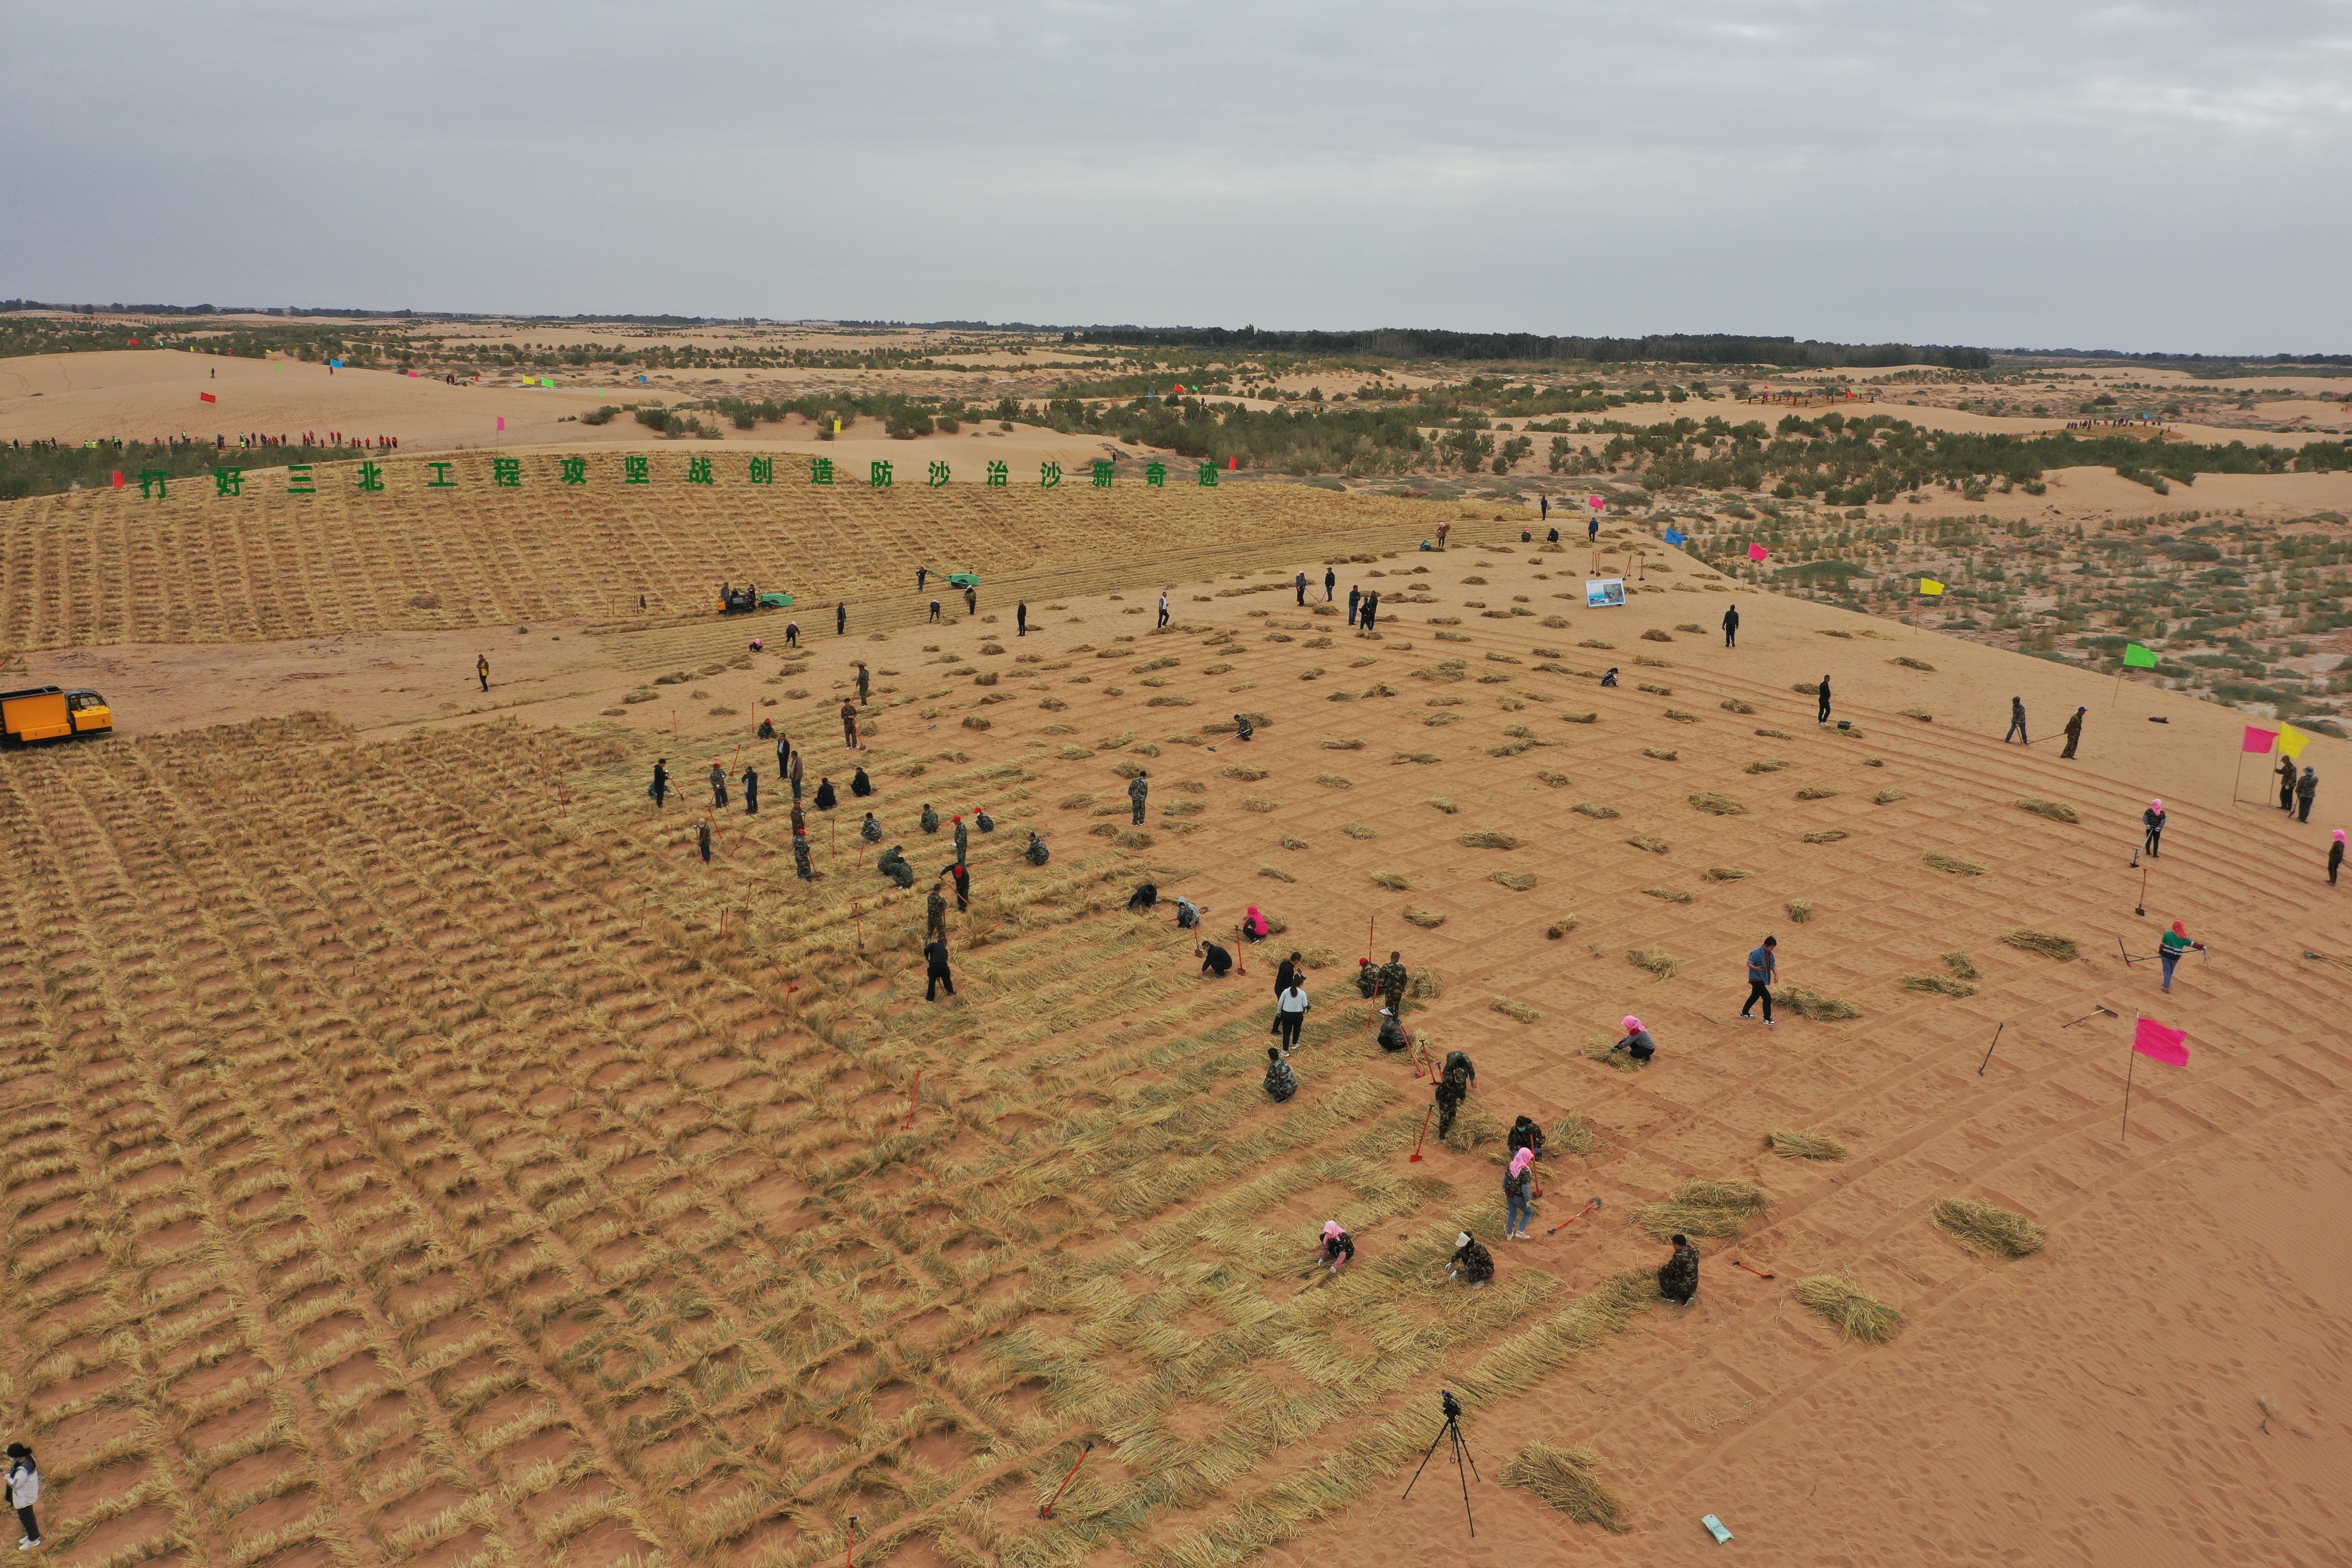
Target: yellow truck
(52, 712)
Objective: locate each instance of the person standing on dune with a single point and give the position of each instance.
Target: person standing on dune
(1824, 716)
(1731, 627)
(2286, 783)
(2074, 733)
(2334, 857)
(2016, 721)
(2305, 788)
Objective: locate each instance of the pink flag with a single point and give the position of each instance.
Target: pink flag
(1757, 552)
(2150, 1038)
(2258, 740)
(502, 425)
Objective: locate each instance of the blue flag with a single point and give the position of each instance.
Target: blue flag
(1675, 536)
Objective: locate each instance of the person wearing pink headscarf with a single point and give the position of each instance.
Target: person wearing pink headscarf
(1637, 1042)
(1338, 1248)
(2153, 819)
(2334, 857)
(1518, 1195)
(1254, 926)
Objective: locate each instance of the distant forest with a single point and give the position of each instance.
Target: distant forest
(1430, 342)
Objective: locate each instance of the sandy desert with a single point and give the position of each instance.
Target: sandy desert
(418, 1152)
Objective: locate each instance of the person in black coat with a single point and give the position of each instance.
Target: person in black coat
(751, 792)
(2334, 857)
(935, 957)
(659, 788)
(702, 839)
(1216, 961)
(826, 795)
(859, 785)
(1731, 627)
(1678, 1276)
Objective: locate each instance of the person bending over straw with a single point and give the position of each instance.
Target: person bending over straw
(1471, 1263)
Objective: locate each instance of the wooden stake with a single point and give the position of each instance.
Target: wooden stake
(1988, 1061)
(2131, 1061)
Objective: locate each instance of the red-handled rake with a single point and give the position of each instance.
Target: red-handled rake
(1589, 1205)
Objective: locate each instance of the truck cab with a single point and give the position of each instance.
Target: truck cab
(52, 713)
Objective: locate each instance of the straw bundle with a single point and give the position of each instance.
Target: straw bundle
(1907, 662)
(1766, 765)
(1654, 844)
(1670, 895)
(1728, 873)
(1425, 758)
(1333, 781)
(1886, 797)
(1517, 881)
(1444, 805)
(1392, 881)
(1563, 1478)
(1244, 773)
(1572, 1134)
(1259, 803)
(1717, 805)
(1656, 960)
(1598, 813)
(1842, 1302)
(1357, 830)
(1826, 835)
(1793, 1145)
(1920, 713)
(2052, 809)
(1946, 864)
(2043, 943)
(1343, 745)
(1732, 705)
(1519, 1010)
(1487, 838)
(1580, 717)
(1942, 986)
(1800, 909)
(1428, 920)
(1714, 1208)
(1808, 1003)
(1815, 792)
(1984, 1227)
(1659, 753)
(1425, 984)
(1598, 1051)
(1960, 964)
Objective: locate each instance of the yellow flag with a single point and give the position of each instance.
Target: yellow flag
(1929, 585)
(2292, 740)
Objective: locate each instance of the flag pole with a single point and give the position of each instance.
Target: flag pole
(2130, 1062)
(2237, 783)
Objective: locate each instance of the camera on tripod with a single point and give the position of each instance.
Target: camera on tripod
(1450, 1431)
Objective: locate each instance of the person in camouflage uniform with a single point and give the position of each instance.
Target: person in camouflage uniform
(870, 829)
(1452, 1089)
(1037, 852)
(1139, 790)
(800, 858)
(893, 865)
(930, 818)
(1678, 1277)
(962, 841)
(1390, 982)
(1471, 1263)
(935, 916)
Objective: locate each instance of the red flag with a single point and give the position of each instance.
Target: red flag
(117, 479)
(1757, 552)
(2150, 1038)
(2258, 740)
(206, 397)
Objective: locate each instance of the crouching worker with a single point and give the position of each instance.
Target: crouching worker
(1637, 1043)
(1243, 728)
(893, 865)
(1216, 961)
(1392, 1035)
(1146, 894)
(1281, 1083)
(1678, 1276)
(1338, 1248)
(1037, 853)
(1472, 1263)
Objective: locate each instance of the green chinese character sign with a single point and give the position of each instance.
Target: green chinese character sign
(228, 481)
(574, 470)
(1209, 475)
(764, 471)
(697, 471)
(999, 476)
(370, 476)
(1049, 475)
(939, 475)
(154, 483)
(1156, 475)
(637, 470)
(298, 481)
(506, 473)
(820, 470)
(877, 475)
(1102, 466)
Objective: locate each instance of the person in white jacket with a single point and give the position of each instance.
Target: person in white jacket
(1290, 1014)
(24, 1492)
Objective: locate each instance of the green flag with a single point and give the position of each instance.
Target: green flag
(2138, 658)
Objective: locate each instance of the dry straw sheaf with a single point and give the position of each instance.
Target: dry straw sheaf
(1960, 964)
(1560, 927)
(1986, 1228)
(1766, 765)
(1519, 1010)
(1857, 1315)
(1790, 1144)
(1807, 1002)
(1660, 753)
(1717, 805)
(1587, 808)
(1343, 745)
(1656, 960)
(1428, 920)
(1668, 895)
(1650, 842)
(1259, 803)
(1710, 1208)
(1815, 792)
(1517, 881)
(1728, 873)
(2054, 810)
(1394, 881)
(1800, 909)
(1907, 662)
(1357, 830)
(1564, 1478)
(1946, 864)
(1573, 1134)
(1444, 804)
(1333, 781)
(1487, 838)
(1827, 835)
(1942, 984)
(1886, 797)
(2041, 942)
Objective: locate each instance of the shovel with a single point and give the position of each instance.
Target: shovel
(1590, 1205)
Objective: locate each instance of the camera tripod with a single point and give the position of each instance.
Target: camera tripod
(1452, 1429)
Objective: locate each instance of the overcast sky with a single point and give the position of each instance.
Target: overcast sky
(2157, 175)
